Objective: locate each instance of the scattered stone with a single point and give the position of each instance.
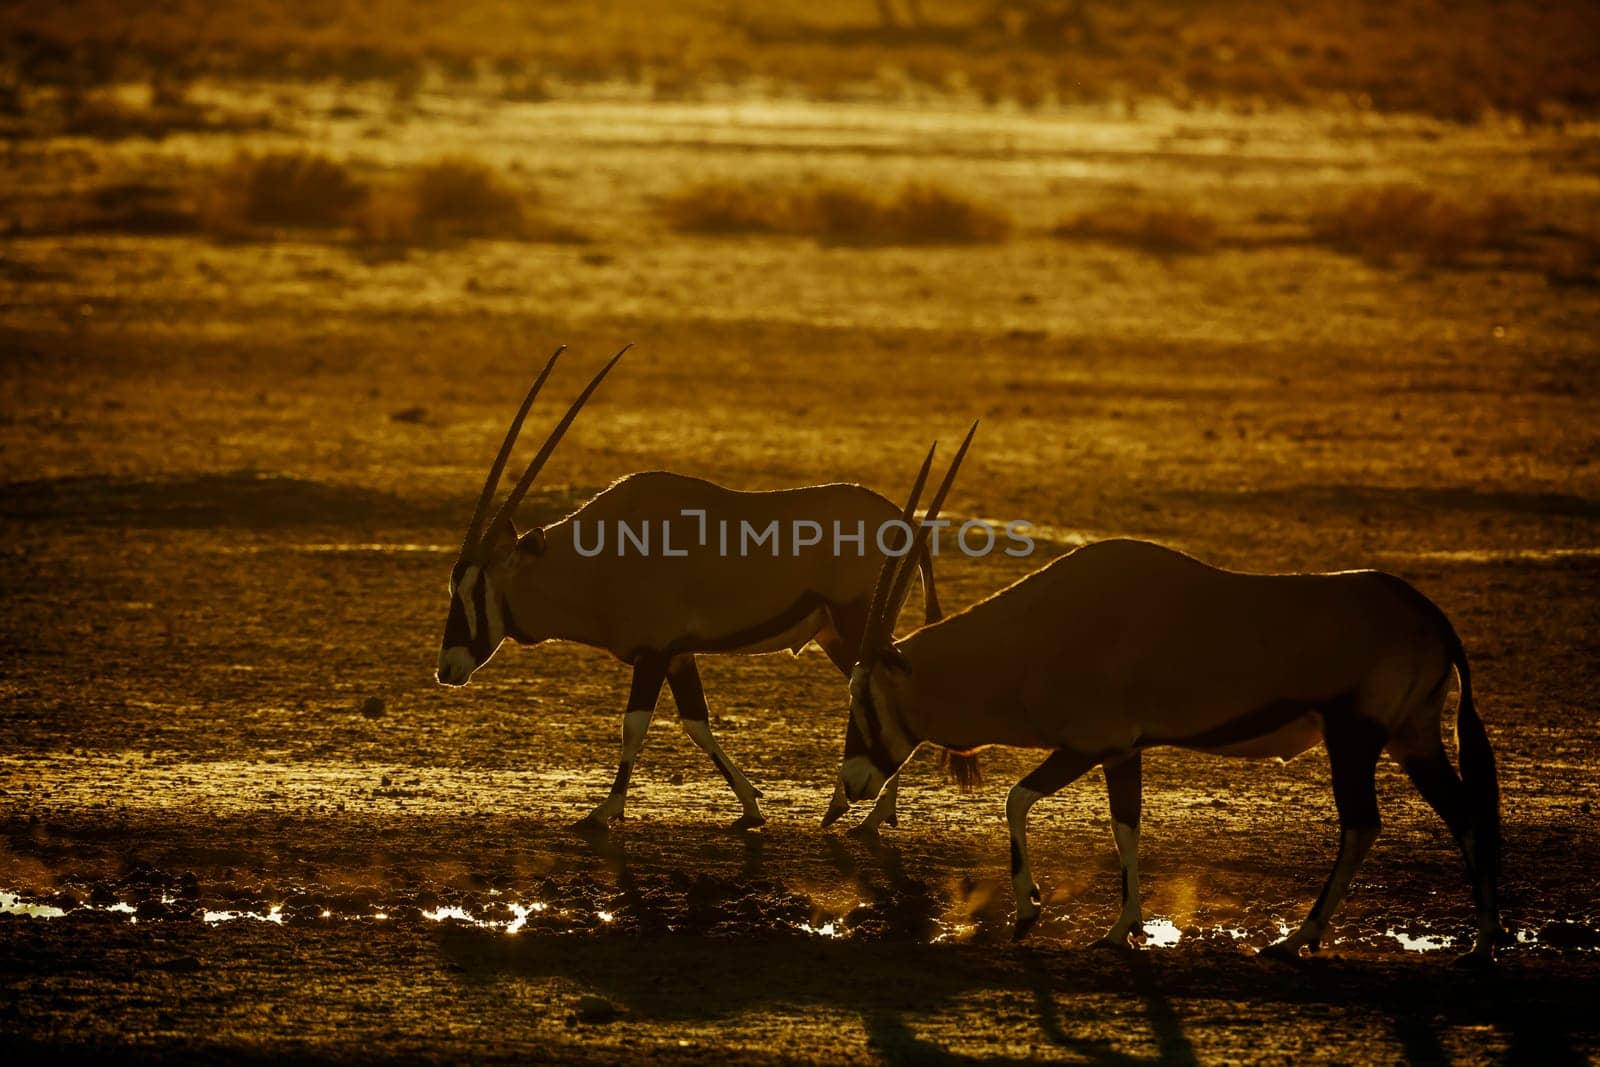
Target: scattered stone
(411, 415)
(180, 965)
(594, 1011)
(373, 708)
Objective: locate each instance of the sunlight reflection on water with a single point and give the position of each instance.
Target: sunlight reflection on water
(1160, 932)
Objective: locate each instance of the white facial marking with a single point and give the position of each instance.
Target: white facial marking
(469, 579)
(497, 624)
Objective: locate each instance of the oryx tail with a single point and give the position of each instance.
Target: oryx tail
(1479, 776)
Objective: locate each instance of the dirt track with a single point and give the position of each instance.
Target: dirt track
(219, 541)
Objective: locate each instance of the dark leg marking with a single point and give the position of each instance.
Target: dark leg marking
(649, 671)
(624, 772)
(722, 766)
(684, 678)
(683, 675)
(1016, 857)
(1125, 788)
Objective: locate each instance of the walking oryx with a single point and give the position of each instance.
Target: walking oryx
(660, 567)
(1124, 645)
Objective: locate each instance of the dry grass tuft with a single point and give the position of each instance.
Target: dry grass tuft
(464, 198)
(452, 199)
(284, 189)
(1388, 221)
(918, 213)
(1164, 230)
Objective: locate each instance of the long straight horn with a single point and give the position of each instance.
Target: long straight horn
(475, 528)
(873, 633)
(521, 488)
(908, 563)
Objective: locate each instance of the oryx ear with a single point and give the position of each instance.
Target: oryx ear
(532, 542)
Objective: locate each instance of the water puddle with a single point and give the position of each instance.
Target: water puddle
(508, 917)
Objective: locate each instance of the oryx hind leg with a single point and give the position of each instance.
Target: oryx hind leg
(1354, 744)
(1051, 776)
(695, 716)
(649, 671)
(1125, 787)
(1420, 751)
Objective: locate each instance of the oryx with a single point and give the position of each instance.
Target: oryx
(1124, 645)
(660, 567)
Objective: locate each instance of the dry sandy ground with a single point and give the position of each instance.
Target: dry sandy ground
(219, 541)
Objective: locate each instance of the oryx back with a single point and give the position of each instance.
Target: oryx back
(1123, 645)
(670, 563)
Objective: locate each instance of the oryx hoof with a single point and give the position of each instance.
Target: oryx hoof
(1285, 951)
(1481, 958)
(865, 830)
(591, 826)
(748, 822)
(1023, 923)
(1115, 943)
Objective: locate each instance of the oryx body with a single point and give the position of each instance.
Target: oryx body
(1125, 645)
(661, 567)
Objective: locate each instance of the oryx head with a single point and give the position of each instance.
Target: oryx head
(883, 692)
(477, 621)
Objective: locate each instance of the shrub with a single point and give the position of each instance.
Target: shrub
(1164, 230)
(287, 189)
(463, 198)
(928, 213)
(917, 214)
(1383, 222)
(726, 208)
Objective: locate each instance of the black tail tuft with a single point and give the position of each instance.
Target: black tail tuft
(1478, 773)
(961, 769)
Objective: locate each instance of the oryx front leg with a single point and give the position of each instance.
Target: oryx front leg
(1124, 786)
(684, 678)
(1049, 777)
(649, 671)
(1353, 747)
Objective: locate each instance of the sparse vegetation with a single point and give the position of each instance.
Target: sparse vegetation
(452, 199)
(1389, 221)
(464, 198)
(1446, 59)
(1162, 230)
(285, 189)
(918, 213)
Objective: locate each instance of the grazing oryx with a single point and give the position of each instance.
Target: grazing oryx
(660, 567)
(1124, 645)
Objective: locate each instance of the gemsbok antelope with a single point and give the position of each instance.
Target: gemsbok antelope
(1125, 645)
(677, 577)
